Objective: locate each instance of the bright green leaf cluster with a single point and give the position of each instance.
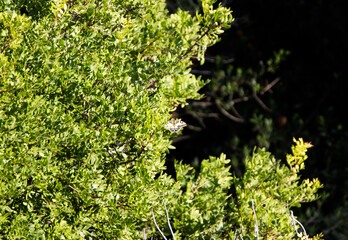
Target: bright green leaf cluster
(201, 205)
(274, 189)
(298, 156)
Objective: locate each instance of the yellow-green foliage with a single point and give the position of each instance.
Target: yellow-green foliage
(274, 189)
(85, 90)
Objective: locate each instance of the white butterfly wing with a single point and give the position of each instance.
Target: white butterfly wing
(174, 125)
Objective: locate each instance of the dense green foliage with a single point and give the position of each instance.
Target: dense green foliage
(275, 189)
(86, 87)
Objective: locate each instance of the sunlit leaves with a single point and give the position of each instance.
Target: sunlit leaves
(85, 89)
(275, 189)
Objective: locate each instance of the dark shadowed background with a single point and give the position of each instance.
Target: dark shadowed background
(279, 72)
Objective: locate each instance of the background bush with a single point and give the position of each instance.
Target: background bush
(299, 45)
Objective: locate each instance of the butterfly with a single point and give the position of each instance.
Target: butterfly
(174, 125)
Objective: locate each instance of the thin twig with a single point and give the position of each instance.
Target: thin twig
(74, 189)
(196, 188)
(229, 115)
(269, 86)
(201, 104)
(154, 220)
(262, 92)
(201, 72)
(259, 101)
(223, 61)
(118, 162)
(183, 56)
(241, 99)
(152, 42)
(256, 226)
(117, 25)
(237, 234)
(171, 230)
(234, 110)
(134, 158)
(196, 43)
(66, 28)
(5, 46)
(293, 220)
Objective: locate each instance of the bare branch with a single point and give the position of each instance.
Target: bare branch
(74, 189)
(201, 72)
(201, 104)
(259, 101)
(223, 61)
(170, 227)
(293, 220)
(154, 220)
(227, 114)
(256, 226)
(269, 86)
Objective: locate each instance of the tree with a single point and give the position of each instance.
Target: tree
(87, 88)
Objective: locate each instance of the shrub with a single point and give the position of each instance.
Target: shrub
(87, 88)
